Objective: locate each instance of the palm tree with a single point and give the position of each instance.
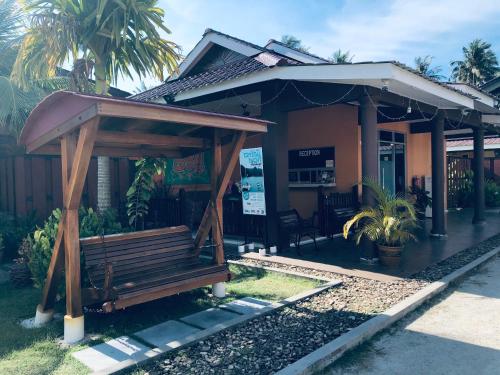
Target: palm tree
(119, 37)
(340, 57)
(423, 66)
(479, 64)
(16, 103)
(293, 42)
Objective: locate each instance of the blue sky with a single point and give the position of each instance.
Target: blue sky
(372, 30)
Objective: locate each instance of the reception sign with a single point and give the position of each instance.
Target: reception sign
(192, 170)
(252, 181)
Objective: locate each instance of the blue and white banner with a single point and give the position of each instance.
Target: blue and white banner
(252, 181)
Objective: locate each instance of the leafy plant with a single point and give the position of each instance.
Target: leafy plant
(43, 238)
(14, 230)
(391, 222)
(2, 247)
(492, 194)
(421, 199)
(141, 190)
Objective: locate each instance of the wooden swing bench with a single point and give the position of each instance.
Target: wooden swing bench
(132, 268)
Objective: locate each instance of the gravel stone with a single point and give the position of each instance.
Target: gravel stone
(269, 343)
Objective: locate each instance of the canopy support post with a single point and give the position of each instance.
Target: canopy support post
(223, 178)
(68, 148)
(216, 222)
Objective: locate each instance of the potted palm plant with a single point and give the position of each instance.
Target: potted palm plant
(390, 224)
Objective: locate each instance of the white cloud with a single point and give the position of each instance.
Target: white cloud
(404, 26)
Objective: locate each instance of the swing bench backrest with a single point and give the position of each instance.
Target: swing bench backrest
(131, 268)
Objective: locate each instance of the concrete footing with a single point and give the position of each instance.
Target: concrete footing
(73, 329)
(42, 317)
(219, 290)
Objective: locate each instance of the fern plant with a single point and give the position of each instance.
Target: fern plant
(391, 222)
(141, 189)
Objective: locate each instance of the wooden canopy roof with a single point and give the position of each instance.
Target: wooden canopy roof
(128, 128)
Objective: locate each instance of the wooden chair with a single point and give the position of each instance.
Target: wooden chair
(293, 227)
(132, 268)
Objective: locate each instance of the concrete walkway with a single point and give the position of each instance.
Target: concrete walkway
(460, 334)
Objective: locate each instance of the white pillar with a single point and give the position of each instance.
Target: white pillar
(42, 317)
(73, 329)
(219, 290)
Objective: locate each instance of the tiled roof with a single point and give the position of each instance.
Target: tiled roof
(250, 65)
(233, 70)
(469, 142)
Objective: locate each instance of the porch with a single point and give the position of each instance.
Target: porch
(344, 255)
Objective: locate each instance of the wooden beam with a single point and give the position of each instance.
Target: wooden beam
(215, 199)
(180, 116)
(136, 138)
(231, 162)
(125, 152)
(66, 127)
(83, 153)
(54, 271)
(221, 186)
(72, 264)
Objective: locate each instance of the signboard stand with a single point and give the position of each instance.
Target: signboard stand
(252, 187)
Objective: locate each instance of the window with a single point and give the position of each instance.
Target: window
(311, 167)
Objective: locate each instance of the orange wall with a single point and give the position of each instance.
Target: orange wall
(325, 127)
(337, 126)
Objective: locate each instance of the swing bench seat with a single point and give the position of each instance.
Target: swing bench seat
(132, 268)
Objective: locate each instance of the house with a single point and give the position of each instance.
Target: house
(334, 124)
(492, 86)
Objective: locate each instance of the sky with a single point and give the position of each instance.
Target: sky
(372, 30)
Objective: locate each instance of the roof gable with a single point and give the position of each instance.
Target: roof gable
(210, 39)
(215, 57)
(303, 57)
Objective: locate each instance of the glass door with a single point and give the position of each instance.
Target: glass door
(392, 161)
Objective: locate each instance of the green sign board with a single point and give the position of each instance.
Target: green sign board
(192, 170)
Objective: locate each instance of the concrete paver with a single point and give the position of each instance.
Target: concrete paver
(458, 335)
(167, 334)
(247, 305)
(105, 355)
(209, 318)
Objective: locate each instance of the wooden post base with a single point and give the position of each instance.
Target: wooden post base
(73, 329)
(219, 290)
(42, 317)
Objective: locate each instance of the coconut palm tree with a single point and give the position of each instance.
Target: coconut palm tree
(15, 104)
(423, 66)
(293, 42)
(119, 37)
(479, 64)
(341, 57)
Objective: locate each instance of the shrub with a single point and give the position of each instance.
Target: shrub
(13, 230)
(492, 194)
(43, 238)
(2, 247)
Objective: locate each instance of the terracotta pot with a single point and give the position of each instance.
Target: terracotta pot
(390, 256)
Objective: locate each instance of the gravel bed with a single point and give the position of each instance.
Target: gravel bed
(271, 342)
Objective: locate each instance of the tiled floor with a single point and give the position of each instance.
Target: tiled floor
(462, 234)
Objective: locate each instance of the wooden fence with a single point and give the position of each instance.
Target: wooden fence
(33, 184)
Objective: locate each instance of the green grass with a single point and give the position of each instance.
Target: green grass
(35, 351)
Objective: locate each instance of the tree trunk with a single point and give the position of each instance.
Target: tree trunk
(103, 169)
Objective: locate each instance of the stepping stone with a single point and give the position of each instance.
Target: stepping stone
(110, 353)
(209, 318)
(166, 335)
(247, 305)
